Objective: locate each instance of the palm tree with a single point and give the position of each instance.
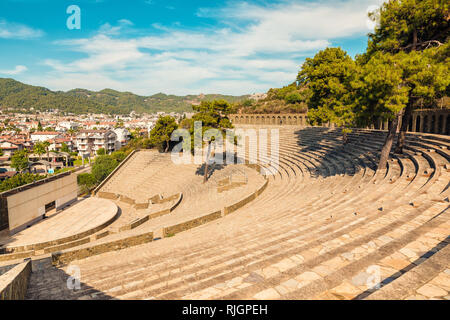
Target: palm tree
(46, 145)
(39, 149)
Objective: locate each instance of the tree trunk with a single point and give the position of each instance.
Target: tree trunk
(403, 128)
(382, 164)
(205, 177)
(414, 44)
(345, 137)
(167, 146)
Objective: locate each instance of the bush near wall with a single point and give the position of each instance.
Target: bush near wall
(19, 180)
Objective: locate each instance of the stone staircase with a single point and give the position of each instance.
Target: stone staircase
(328, 226)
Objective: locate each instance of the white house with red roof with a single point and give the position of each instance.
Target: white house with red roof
(45, 135)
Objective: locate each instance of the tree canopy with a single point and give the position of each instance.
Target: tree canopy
(212, 115)
(407, 62)
(19, 180)
(101, 152)
(160, 134)
(19, 160)
(330, 77)
(103, 166)
(409, 25)
(39, 149)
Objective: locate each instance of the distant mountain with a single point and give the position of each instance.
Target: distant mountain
(17, 96)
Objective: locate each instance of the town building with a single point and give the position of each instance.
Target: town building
(123, 136)
(90, 141)
(41, 136)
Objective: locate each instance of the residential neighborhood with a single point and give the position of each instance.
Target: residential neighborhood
(70, 140)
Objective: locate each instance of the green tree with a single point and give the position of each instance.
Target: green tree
(39, 149)
(212, 115)
(405, 25)
(39, 127)
(293, 97)
(381, 95)
(426, 80)
(19, 160)
(331, 79)
(86, 181)
(186, 123)
(19, 180)
(393, 83)
(160, 134)
(101, 152)
(46, 145)
(103, 166)
(119, 156)
(65, 148)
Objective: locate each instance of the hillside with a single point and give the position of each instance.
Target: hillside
(288, 99)
(17, 96)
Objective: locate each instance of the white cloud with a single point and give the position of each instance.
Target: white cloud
(256, 48)
(122, 25)
(9, 30)
(17, 70)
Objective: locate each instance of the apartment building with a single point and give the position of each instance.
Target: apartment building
(89, 141)
(123, 136)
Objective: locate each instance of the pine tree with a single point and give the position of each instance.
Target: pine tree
(160, 134)
(331, 78)
(409, 26)
(391, 82)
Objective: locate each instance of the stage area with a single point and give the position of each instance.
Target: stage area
(79, 218)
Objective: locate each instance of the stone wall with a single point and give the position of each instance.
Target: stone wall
(244, 201)
(66, 256)
(297, 119)
(427, 121)
(107, 195)
(168, 231)
(25, 205)
(3, 213)
(16, 255)
(14, 283)
(430, 121)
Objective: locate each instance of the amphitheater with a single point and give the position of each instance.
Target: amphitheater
(324, 224)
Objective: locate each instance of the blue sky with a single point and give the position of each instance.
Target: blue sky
(177, 47)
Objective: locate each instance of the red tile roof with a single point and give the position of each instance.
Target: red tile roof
(46, 133)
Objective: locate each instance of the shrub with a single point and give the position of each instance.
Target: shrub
(119, 156)
(86, 181)
(19, 180)
(103, 166)
(293, 97)
(101, 152)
